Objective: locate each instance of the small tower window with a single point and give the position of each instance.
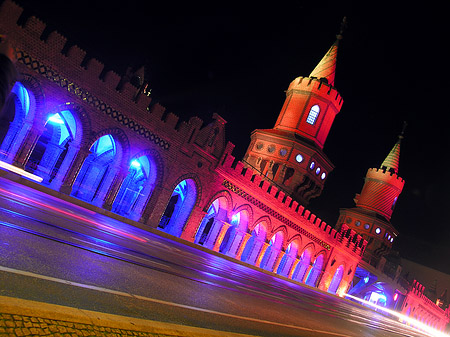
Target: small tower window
(313, 113)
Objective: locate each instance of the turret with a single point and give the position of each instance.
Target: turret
(290, 154)
(374, 206)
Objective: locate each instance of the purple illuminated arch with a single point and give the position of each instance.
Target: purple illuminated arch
(179, 207)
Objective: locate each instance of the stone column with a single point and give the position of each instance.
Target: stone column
(278, 261)
(114, 189)
(221, 235)
(26, 148)
(65, 165)
(75, 168)
(244, 241)
(264, 247)
(293, 267)
(190, 229)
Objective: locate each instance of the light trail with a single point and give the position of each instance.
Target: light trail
(19, 171)
(411, 321)
(78, 217)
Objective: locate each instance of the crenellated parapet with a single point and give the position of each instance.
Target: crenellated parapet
(317, 87)
(247, 183)
(84, 78)
(380, 191)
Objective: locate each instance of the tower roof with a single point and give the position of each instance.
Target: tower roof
(392, 160)
(326, 68)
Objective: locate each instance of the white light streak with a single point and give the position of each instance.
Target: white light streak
(431, 332)
(19, 171)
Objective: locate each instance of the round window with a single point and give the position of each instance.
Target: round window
(283, 152)
(366, 226)
(271, 148)
(318, 170)
(299, 158)
(259, 146)
(311, 166)
(378, 230)
(358, 223)
(323, 176)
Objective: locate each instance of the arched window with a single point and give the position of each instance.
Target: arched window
(313, 114)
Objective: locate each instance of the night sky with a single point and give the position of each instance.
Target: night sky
(392, 67)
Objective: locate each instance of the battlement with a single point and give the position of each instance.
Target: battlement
(277, 204)
(385, 176)
(53, 56)
(319, 87)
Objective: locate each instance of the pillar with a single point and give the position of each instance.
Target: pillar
(278, 261)
(221, 235)
(24, 152)
(114, 189)
(244, 241)
(75, 168)
(293, 267)
(264, 247)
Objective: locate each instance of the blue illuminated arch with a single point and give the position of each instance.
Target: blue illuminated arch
(179, 207)
(18, 113)
(52, 146)
(315, 271)
(336, 281)
(97, 171)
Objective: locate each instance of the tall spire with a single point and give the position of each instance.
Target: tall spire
(392, 160)
(327, 66)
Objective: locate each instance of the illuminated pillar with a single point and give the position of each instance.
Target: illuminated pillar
(278, 261)
(293, 267)
(65, 166)
(114, 188)
(193, 224)
(70, 177)
(244, 241)
(27, 146)
(264, 247)
(221, 235)
(237, 242)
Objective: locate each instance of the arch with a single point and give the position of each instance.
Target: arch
(264, 219)
(336, 280)
(98, 170)
(255, 242)
(272, 251)
(57, 145)
(304, 263)
(316, 271)
(289, 257)
(235, 233)
(212, 222)
(136, 188)
(179, 207)
(16, 119)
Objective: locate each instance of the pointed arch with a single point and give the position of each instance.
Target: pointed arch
(313, 277)
(274, 248)
(304, 264)
(184, 197)
(216, 215)
(258, 237)
(108, 151)
(19, 115)
(240, 218)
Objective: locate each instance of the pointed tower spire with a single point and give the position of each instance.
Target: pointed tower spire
(326, 68)
(392, 160)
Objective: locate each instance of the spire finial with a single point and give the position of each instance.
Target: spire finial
(401, 136)
(343, 27)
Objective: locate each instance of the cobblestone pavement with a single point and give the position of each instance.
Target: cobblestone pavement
(17, 325)
(19, 317)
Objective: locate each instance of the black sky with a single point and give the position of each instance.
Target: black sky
(392, 67)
